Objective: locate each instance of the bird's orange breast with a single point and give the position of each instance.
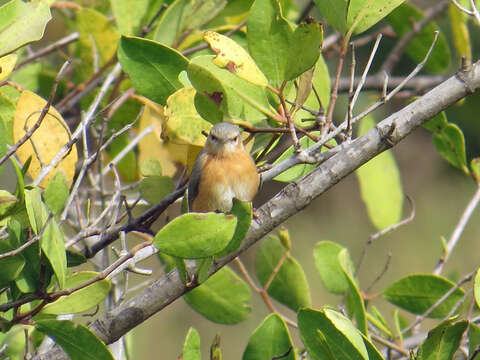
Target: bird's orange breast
(224, 177)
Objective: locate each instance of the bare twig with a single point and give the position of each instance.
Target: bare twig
(452, 242)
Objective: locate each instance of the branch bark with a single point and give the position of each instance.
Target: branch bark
(292, 199)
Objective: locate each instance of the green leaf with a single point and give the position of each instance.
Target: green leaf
(354, 299)
(191, 346)
(22, 23)
(243, 212)
(151, 167)
(304, 50)
(373, 353)
(224, 298)
(289, 286)
(442, 341)
(129, 15)
(155, 188)
(144, 60)
(476, 288)
(327, 334)
(75, 339)
(450, 143)
(52, 240)
(169, 26)
(270, 339)
(335, 12)
(75, 258)
(298, 171)
(269, 37)
(57, 192)
(127, 166)
(473, 338)
(437, 123)
(196, 235)
(183, 124)
(363, 14)
(377, 320)
(461, 36)
(239, 99)
(401, 21)
(7, 200)
(380, 185)
(11, 266)
(328, 266)
(417, 293)
(82, 299)
(475, 168)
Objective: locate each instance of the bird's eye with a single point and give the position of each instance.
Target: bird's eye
(235, 139)
(214, 138)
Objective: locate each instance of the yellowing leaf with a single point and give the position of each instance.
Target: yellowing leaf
(46, 141)
(7, 63)
(232, 56)
(183, 124)
(152, 146)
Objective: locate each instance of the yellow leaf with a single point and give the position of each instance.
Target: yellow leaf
(183, 124)
(7, 63)
(232, 56)
(152, 146)
(46, 141)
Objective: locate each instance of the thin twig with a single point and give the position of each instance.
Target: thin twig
(452, 242)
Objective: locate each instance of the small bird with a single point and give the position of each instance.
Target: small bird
(222, 171)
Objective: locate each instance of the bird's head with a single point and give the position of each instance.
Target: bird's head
(224, 138)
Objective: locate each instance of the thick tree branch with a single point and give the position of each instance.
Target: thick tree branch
(293, 198)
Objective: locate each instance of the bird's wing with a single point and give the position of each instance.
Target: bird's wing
(194, 181)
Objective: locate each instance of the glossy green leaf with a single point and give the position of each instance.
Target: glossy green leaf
(75, 339)
(327, 334)
(52, 240)
(207, 108)
(269, 37)
(417, 293)
(328, 266)
(191, 346)
(461, 36)
(437, 123)
(129, 15)
(363, 14)
(380, 185)
(442, 341)
(200, 12)
(473, 338)
(450, 143)
(304, 50)
(476, 288)
(155, 188)
(151, 167)
(75, 258)
(243, 212)
(373, 352)
(298, 171)
(196, 235)
(439, 60)
(82, 299)
(144, 60)
(289, 286)
(183, 124)
(22, 23)
(238, 99)
(224, 298)
(57, 192)
(270, 340)
(11, 266)
(335, 12)
(354, 297)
